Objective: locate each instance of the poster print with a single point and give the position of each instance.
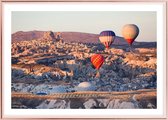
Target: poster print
(84, 59)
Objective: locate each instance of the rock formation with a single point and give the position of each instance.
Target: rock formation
(48, 36)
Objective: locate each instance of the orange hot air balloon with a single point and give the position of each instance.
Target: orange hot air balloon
(130, 32)
(97, 60)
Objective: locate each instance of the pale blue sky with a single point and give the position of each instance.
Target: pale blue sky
(83, 21)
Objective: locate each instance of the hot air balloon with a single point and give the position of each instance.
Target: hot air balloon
(97, 60)
(85, 86)
(107, 38)
(130, 32)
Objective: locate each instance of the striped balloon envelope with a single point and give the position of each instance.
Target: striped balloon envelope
(107, 38)
(97, 60)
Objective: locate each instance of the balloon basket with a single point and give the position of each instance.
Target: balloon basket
(97, 74)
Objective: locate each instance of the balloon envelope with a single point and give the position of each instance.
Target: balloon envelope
(130, 32)
(85, 86)
(107, 38)
(97, 60)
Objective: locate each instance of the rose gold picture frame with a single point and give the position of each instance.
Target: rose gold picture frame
(164, 4)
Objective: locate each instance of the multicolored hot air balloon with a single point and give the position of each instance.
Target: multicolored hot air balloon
(97, 60)
(107, 38)
(130, 32)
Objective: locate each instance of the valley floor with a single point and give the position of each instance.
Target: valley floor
(44, 68)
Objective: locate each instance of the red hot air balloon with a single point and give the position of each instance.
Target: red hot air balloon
(107, 38)
(97, 60)
(130, 32)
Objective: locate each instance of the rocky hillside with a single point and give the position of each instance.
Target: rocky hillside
(67, 36)
(74, 37)
(48, 65)
(70, 62)
(20, 35)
